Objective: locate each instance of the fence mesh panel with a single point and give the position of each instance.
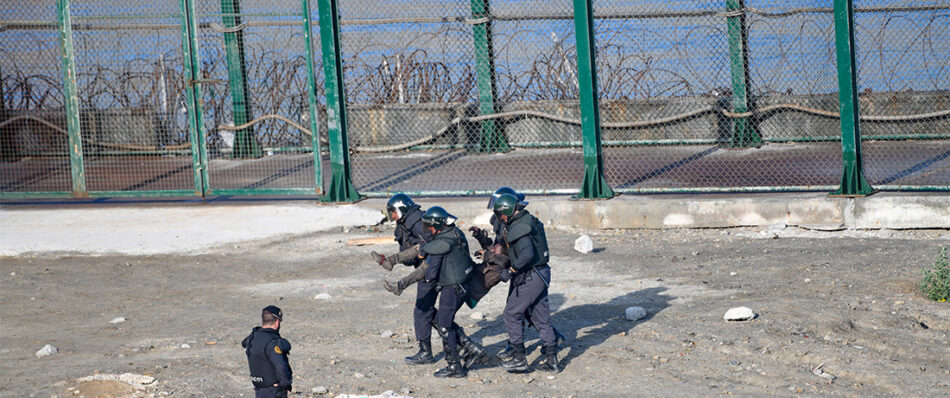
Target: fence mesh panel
(33, 140)
(409, 76)
(903, 58)
(131, 96)
(461, 96)
(266, 42)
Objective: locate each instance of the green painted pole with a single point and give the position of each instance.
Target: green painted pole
(853, 182)
(189, 51)
(312, 97)
(73, 127)
(341, 189)
(594, 185)
(245, 143)
(492, 140)
(744, 132)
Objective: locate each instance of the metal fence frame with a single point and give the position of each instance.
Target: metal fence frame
(340, 187)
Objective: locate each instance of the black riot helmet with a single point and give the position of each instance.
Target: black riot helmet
(400, 203)
(505, 205)
(498, 193)
(436, 217)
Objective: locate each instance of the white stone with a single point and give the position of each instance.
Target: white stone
(477, 315)
(386, 334)
(136, 379)
(584, 244)
(322, 296)
(739, 314)
(185, 346)
(46, 351)
(319, 390)
(733, 273)
(635, 313)
(117, 320)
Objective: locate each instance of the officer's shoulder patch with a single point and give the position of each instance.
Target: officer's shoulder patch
(438, 246)
(282, 347)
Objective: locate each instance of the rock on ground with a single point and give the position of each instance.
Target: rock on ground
(46, 351)
(584, 244)
(739, 314)
(117, 320)
(635, 313)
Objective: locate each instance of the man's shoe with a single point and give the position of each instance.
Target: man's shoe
(517, 363)
(392, 287)
(471, 352)
(424, 356)
(550, 362)
(454, 368)
(382, 261)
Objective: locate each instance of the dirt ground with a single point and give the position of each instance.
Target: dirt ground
(847, 300)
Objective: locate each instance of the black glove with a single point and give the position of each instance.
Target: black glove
(505, 275)
(477, 232)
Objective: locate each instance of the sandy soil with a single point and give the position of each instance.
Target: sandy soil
(847, 300)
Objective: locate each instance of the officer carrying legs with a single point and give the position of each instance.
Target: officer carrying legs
(424, 316)
(530, 277)
(267, 356)
(408, 233)
(450, 266)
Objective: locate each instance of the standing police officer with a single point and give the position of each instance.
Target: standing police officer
(267, 356)
(488, 244)
(530, 277)
(450, 265)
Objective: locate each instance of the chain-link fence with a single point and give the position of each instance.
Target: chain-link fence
(903, 57)
(199, 97)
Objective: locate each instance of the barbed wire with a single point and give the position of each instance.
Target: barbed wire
(416, 71)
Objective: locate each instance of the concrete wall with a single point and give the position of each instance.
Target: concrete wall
(808, 210)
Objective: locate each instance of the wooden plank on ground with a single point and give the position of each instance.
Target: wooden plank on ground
(382, 240)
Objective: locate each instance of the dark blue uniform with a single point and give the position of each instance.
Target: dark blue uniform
(529, 285)
(267, 358)
(408, 232)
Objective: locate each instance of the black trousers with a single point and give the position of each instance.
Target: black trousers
(531, 298)
(450, 301)
(424, 312)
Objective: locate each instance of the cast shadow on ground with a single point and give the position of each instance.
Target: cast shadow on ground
(602, 320)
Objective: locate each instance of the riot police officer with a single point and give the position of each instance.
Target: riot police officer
(424, 312)
(267, 356)
(450, 266)
(488, 244)
(530, 278)
(408, 233)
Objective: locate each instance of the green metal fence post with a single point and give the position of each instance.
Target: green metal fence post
(594, 185)
(492, 140)
(341, 189)
(245, 144)
(744, 133)
(853, 182)
(189, 51)
(312, 97)
(73, 126)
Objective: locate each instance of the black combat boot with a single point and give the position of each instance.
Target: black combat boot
(549, 363)
(424, 356)
(471, 352)
(394, 288)
(382, 260)
(454, 368)
(517, 363)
